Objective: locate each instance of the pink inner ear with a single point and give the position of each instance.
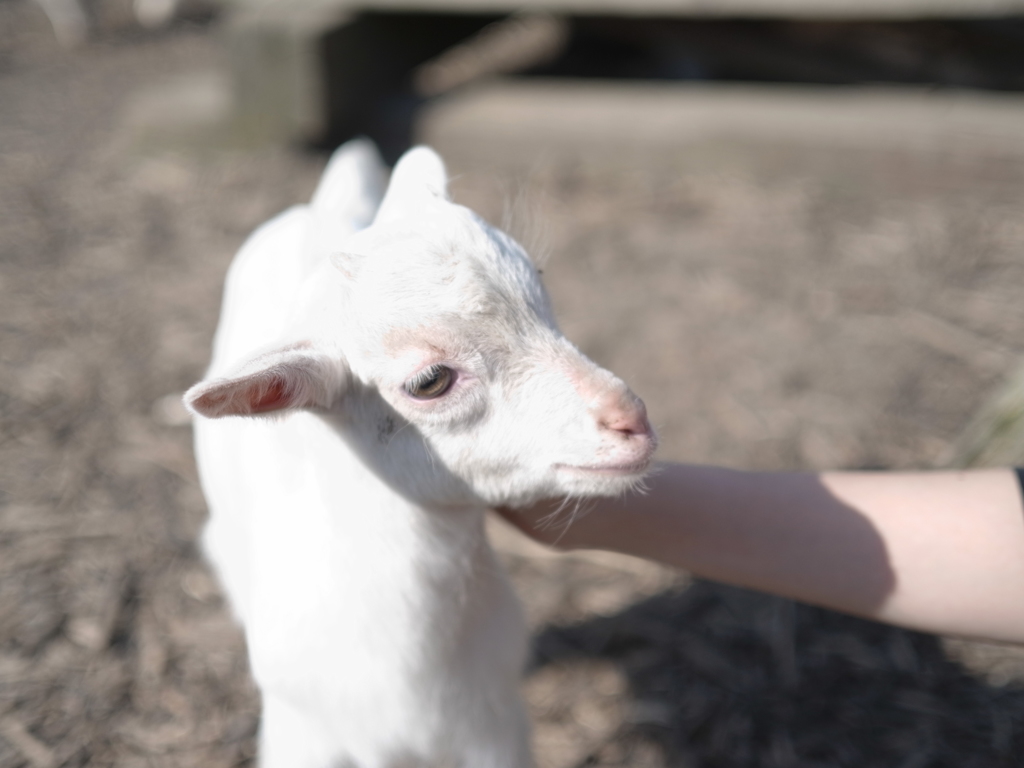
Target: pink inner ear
(274, 398)
(246, 398)
(298, 381)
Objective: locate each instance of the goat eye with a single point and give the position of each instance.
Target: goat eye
(431, 383)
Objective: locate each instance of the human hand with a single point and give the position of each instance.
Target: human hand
(541, 522)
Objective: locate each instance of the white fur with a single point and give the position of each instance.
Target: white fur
(348, 531)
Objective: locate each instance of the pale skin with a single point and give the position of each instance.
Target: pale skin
(936, 551)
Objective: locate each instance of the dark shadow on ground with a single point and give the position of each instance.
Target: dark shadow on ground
(721, 677)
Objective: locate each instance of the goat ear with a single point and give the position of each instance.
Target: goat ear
(418, 178)
(352, 184)
(285, 379)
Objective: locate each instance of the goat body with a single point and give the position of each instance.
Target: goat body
(409, 373)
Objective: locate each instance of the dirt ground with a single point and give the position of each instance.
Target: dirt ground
(778, 306)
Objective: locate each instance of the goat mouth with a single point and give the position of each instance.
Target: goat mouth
(612, 470)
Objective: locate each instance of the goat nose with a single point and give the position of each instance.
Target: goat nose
(626, 414)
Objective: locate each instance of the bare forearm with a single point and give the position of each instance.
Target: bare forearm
(955, 542)
(937, 551)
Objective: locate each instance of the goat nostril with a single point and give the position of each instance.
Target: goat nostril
(628, 419)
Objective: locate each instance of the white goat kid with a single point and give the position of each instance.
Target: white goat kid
(420, 378)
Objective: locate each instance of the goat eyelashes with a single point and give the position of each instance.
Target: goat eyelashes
(431, 383)
(348, 533)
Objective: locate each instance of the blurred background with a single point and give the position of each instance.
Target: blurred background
(793, 226)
